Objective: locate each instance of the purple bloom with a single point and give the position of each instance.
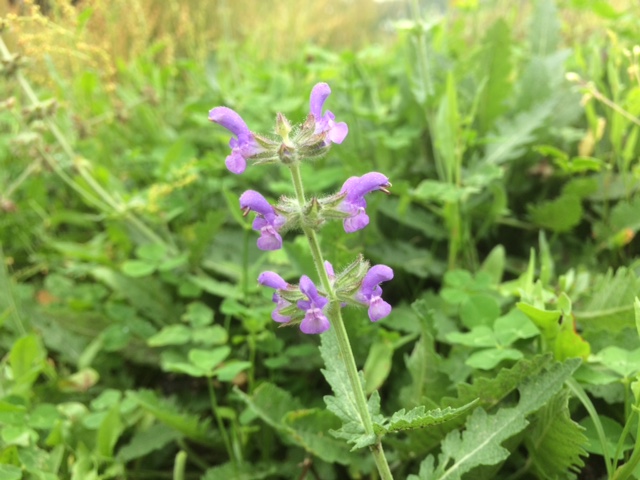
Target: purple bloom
(336, 132)
(354, 203)
(273, 280)
(267, 222)
(314, 320)
(370, 291)
(244, 144)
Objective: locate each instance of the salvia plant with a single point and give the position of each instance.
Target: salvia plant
(314, 308)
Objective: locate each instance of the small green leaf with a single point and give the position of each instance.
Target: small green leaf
(493, 265)
(559, 215)
(378, 364)
(214, 335)
(170, 335)
(110, 430)
(198, 314)
(152, 252)
(490, 358)
(547, 320)
(479, 310)
(481, 336)
(9, 472)
(209, 359)
(231, 369)
(138, 268)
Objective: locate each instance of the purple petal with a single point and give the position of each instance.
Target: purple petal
(319, 95)
(378, 309)
(236, 163)
(329, 269)
(374, 277)
(277, 317)
(356, 222)
(272, 279)
(314, 322)
(308, 288)
(365, 184)
(269, 239)
(230, 120)
(338, 132)
(256, 202)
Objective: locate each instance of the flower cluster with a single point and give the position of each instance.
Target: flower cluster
(305, 304)
(358, 284)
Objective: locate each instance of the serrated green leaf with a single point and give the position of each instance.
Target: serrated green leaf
(555, 442)
(419, 417)
(610, 304)
(307, 428)
(188, 425)
(481, 442)
(147, 441)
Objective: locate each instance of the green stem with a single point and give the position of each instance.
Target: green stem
(335, 317)
(221, 427)
(579, 392)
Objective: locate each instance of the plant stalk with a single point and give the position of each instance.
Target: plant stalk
(337, 323)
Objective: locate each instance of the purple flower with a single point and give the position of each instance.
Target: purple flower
(370, 291)
(314, 320)
(243, 146)
(273, 280)
(267, 222)
(354, 203)
(336, 132)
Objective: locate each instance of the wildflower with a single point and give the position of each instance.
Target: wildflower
(243, 146)
(335, 132)
(314, 320)
(273, 280)
(267, 222)
(370, 291)
(354, 203)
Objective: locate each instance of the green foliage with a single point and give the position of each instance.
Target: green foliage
(131, 325)
(480, 443)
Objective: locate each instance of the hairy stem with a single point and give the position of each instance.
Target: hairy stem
(335, 317)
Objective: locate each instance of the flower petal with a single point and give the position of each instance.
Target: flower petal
(272, 279)
(356, 222)
(269, 239)
(374, 277)
(236, 163)
(367, 183)
(308, 288)
(319, 95)
(338, 132)
(256, 202)
(314, 322)
(230, 120)
(378, 309)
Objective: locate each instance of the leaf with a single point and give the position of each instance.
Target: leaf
(26, 360)
(146, 441)
(230, 370)
(189, 425)
(306, 428)
(479, 310)
(559, 215)
(610, 305)
(480, 443)
(170, 335)
(138, 268)
(343, 402)
(215, 287)
(419, 417)
(207, 360)
(495, 64)
(109, 431)
(245, 471)
(491, 358)
(378, 364)
(198, 314)
(555, 442)
(514, 134)
(493, 265)
(544, 33)
(423, 365)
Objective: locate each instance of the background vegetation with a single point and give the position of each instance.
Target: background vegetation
(135, 341)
